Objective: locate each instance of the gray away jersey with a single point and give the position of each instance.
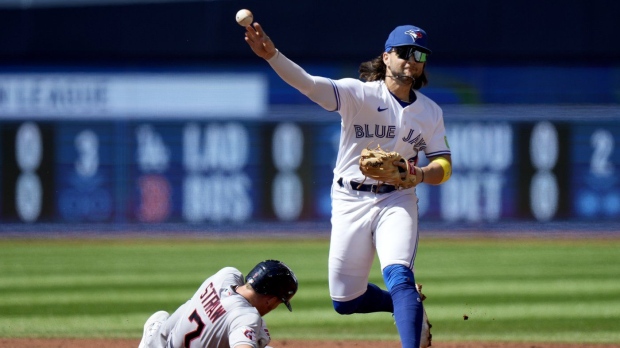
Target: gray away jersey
(217, 317)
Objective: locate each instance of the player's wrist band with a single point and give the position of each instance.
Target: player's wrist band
(447, 168)
(422, 170)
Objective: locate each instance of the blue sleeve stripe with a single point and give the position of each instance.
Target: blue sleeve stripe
(438, 153)
(337, 94)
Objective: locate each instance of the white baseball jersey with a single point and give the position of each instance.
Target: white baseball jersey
(372, 116)
(217, 317)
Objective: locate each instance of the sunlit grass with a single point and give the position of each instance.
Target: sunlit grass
(509, 289)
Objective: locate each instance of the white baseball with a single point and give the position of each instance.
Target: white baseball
(244, 17)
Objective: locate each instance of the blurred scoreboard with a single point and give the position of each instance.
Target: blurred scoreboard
(220, 171)
(191, 147)
(152, 172)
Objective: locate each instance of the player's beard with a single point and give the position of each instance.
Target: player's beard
(405, 77)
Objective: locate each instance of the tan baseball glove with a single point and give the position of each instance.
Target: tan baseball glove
(387, 167)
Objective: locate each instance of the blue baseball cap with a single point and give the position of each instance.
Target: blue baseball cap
(407, 35)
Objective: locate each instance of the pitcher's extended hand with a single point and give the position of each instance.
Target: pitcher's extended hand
(259, 42)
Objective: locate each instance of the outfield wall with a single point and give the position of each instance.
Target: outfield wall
(191, 149)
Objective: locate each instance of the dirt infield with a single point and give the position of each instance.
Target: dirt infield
(125, 343)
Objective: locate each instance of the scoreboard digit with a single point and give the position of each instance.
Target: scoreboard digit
(85, 166)
(28, 175)
(594, 181)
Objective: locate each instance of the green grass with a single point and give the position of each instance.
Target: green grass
(511, 289)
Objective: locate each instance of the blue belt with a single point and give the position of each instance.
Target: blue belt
(369, 188)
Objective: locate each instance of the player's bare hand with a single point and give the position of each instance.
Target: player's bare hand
(259, 42)
(417, 171)
(400, 164)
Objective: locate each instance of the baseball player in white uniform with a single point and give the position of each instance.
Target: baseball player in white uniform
(226, 311)
(387, 110)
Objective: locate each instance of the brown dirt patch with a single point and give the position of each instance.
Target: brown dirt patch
(126, 343)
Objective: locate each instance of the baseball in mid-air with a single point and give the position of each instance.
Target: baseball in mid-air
(244, 17)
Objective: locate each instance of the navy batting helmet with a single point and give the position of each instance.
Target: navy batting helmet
(272, 277)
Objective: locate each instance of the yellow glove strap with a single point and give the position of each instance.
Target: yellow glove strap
(447, 168)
